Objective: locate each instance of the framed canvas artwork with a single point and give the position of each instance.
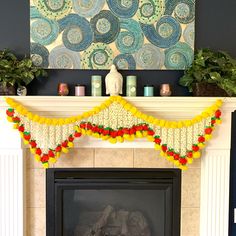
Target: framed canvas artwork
(94, 34)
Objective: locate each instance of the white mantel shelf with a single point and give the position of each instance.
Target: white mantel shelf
(214, 205)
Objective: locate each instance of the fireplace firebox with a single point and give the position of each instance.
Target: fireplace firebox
(113, 202)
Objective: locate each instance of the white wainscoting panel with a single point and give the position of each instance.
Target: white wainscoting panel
(214, 216)
(11, 192)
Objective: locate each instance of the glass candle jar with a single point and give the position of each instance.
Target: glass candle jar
(63, 89)
(148, 91)
(96, 88)
(79, 90)
(165, 90)
(131, 84)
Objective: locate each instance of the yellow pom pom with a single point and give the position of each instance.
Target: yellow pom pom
(89, 132)
(163, 154)
(96, 135)
(218, 122)
(52, 160)
(157, 147)
(208, 137)
(162, 123)
(45, 165)
(144, 116)
(196, 155)
(26, 142)
(145, 133)
(219, 102)
(22, 134)
(33, 150)
(150, 138)
(105, 137)
(15, 126)
(9, 119)
(37, 158)
(183, 167)
(201, 145)
(131, 137)
(138, 114)
(65, 150)
(190, 160)
(176, 163)
(83, 131)
(126, 136)
(120, 139)
(58, 154)
(170, 158)
(133, 110)
(127, 106)
(139, 134)
(113, 140)
(77, 129)
(180, 124)
(70, 144)
(150, 119)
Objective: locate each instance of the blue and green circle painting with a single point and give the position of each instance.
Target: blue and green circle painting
(132, 34)
(88, 8)
(165, 34)
(130, 38)
(42, 30)
(63, 58)
(180, 56)
(106, 27)
(125, 62)
(77, 32)
(39, 55)
(123, 8)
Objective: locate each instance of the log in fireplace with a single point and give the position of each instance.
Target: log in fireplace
(113, 202)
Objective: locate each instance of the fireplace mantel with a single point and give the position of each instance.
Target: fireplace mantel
(214, 165)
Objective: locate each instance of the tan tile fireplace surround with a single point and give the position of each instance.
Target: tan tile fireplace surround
(205, 186)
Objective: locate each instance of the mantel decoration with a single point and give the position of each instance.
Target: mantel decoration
(94, 34)
(115, 120)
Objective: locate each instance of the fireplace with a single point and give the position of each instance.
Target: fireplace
(113, 202)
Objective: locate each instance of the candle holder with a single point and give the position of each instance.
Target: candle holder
(63, 89)
(165, 90)
(131, 86)
(80, 90)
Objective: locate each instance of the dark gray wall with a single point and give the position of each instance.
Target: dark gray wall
(215, 28)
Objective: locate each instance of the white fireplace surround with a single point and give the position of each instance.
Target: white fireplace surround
(214, 203)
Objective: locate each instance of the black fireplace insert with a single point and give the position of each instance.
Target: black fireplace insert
(113, 202)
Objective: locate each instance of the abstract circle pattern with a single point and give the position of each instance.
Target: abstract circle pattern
(97, 56)
(180, 56)
(63, 58)
(150, 57)
(42, 30)
(88, 8)
(105, 26)
(150, 11)
(166, 34)
(184, 11)
(189, 34)
(39, 55)
(123, 8)
(77, 34)
(130, 38)
(125, 62)
(54, 9)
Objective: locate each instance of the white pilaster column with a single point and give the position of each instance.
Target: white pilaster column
(11, 180)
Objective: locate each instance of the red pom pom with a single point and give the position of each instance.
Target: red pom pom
(164, 147)
(44, 158)
(33, 144)
(201, 139)
(50, 153)
(218, 114)
(189, 154)
(58, 148)
(195, 148)
(176, 156)
(38, 151)
(183, 161)
(208, 130)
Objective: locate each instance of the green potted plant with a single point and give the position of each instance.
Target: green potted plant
(15, 72)
(212, 73)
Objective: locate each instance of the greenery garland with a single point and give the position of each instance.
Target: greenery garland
(115, 120)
